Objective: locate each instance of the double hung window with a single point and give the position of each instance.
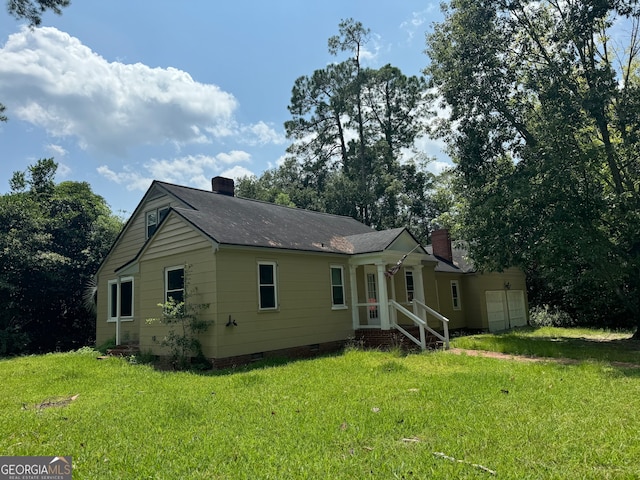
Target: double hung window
(174, 284)
(153, 219)
(267, 286)
(337, 287)
(455, 294)
(120, 298)
(408, 278)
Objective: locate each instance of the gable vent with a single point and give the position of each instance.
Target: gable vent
(223, 186)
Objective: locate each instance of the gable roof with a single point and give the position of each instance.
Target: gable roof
(239, 221)
(236, 221)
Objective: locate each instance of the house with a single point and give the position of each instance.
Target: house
(284, 281)
(492, 301)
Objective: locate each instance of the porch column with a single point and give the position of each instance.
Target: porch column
(355, 311)
(418, 291)
(383, 298)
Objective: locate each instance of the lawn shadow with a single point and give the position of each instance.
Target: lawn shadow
(262, 364)
(618, 352)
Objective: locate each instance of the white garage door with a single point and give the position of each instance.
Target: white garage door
(517, 311)
(496, 310)
(505, 310)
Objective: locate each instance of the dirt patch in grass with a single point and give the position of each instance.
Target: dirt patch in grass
(56, 402)
(525, 358)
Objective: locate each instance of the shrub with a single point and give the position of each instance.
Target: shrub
(546, 316)
(106, 345)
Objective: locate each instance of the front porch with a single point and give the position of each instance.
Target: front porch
(388, 299)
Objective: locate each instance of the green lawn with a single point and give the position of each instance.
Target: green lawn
(576, 343)
(361, 414)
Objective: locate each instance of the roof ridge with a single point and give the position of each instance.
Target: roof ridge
(264, 202)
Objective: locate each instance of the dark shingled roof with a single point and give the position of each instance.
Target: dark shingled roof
(461, 261)
(239, 221)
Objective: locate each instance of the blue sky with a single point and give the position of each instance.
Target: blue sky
(121, 93)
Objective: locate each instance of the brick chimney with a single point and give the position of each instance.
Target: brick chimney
(441, 244)
(223, 186)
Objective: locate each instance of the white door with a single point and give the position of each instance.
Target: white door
(497, 310)
(373, 312)
(517, 311)
(505, 311)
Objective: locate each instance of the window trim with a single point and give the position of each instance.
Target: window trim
(166, 281)
(455, 298)
(161, 213)
(274, 266)
(343, 305)
(118, 283)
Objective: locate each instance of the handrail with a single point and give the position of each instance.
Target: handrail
(439, 316)
(433, 312)
(421, 323)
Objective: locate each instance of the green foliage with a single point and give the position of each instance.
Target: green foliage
(312, 419)
(106, 345)
(541, 96)
(53, 238)
(184, 326)
(546, 316)
(144, 358)
(351, 128)
(32, 10)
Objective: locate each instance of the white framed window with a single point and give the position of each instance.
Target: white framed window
(455, 294)
(174, 284)
(337, 287)
(408, 281)
(153, 219)
(267, 286)
(120, 299)
(372, 296)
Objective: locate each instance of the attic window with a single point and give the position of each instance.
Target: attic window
(153, 219)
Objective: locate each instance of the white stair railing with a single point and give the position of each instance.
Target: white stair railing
(422, 324)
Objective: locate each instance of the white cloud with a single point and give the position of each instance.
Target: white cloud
(52, 80)
(180, 169)
(132, 180)
(63, 170)
(433, 147)
(234, 156)
(438, 167)
(237, 172)
(416, 23)
(192, 170)
(262, 134)
(369, 56)
(56, 150)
